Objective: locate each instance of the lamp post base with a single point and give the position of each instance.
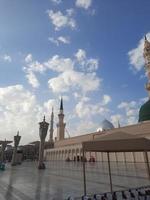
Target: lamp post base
(41, 166)
(13, 164)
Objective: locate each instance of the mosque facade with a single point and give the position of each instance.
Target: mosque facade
(71, 148)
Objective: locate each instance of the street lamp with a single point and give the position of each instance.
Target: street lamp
(3, 147)
(16, 143)
(42, 133)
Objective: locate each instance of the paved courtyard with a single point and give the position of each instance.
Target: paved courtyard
(62, 179)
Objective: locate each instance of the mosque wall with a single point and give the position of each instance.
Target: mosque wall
(72, 147)
(75, 153)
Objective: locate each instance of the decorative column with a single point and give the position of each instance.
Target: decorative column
(42, 132)
(51, 130)
(16, 143)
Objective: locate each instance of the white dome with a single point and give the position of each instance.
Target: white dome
(105, 125)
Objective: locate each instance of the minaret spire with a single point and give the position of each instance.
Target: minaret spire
(51, 126)
(146, 55)
(61, 104)
(61, 125)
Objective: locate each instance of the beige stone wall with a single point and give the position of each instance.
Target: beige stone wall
(72, 147)
(74, 140)
(74, 151)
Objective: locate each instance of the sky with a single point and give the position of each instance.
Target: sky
(90, 52)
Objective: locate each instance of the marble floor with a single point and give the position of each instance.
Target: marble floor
(63, 179)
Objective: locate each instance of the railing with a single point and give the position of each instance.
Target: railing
(141, 193)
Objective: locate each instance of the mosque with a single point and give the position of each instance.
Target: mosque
(71, 148)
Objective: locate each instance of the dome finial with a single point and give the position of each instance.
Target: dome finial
(61, 103)
(44, 119)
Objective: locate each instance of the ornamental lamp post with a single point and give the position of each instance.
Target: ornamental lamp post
(4, 145)
(16, 143)
(42, 133)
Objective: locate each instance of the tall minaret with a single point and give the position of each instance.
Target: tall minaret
(144, 112)
(61, 125)
(146, 55)
(51, 130)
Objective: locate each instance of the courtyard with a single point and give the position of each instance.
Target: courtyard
(63, 179)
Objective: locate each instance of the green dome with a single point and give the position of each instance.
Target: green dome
(144, 113)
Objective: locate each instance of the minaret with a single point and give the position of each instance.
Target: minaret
(146, 55)
(144, 113)
(61, 125)
(51, 130)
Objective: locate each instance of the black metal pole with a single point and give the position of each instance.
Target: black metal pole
(147, 163)
(109, 169)
(84, 175)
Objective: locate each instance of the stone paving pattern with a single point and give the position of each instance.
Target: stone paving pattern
(62, 179)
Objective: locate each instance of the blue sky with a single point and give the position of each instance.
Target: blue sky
(88, 51)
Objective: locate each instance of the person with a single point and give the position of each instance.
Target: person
(2, 166)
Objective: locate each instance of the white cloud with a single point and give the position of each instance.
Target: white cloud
(54, 41)
(60, 39)
(85, 109)
(69, 76)
(19, 111)
(32, 65)
(80, 55)
(136, 55)
(143, 100)
(83, 3)
(30, 69)
(28, 58)
(35, 66)
(117, 119)
(127, 105)
(92, 64)
(64, 40)
(57, 85)
(60, 20)
(86, 64)
(59, 64)
(84, 127)
(65, 98)
(72, 79)
(32, 79)
(70, 12)
(7, 58)
(131, 110)
(77, 95)
(106, 99)
(56, 1)
(51, 103)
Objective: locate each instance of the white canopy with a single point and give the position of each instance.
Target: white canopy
(119, 145)
(116, 142)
